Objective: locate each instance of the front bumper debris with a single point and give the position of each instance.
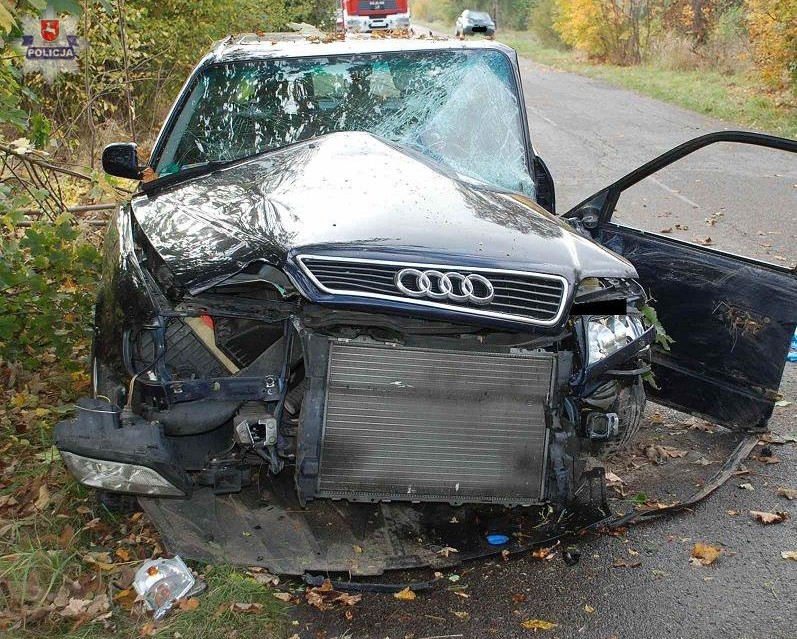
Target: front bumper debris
(135, 459)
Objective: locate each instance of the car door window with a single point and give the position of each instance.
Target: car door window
(734, 197)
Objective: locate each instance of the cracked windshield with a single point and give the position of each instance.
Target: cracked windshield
(459, 108)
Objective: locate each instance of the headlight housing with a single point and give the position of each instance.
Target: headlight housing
(119, 477)
(610, 333)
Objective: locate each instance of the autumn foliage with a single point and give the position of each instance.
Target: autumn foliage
(724, 35)
(772, 25)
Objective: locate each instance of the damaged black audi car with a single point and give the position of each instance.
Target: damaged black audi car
(341, 312)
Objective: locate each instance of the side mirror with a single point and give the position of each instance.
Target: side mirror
(120, 159)
(546, 193)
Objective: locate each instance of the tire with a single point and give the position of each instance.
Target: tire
(118, 503)
(629, 407)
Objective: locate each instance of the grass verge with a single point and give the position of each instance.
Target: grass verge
(66, 562)
(733, 98)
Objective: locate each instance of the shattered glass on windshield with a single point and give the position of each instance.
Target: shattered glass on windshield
(459, 108)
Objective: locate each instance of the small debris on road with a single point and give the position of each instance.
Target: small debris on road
(768, 518)
(704, 554)
(538, 624)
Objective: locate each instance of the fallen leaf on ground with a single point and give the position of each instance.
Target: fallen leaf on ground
(123, 554)
(704, 241)
(704, 554)
(519, 598)
(283, 596)
(766, 459)
(589, 609)
(732, 513)
(324, 587)
(126, 598)
(149, 629)
(445, 552)
(405, 595)
(746, 486)
(357, 549)
(347, 599)
(612, 479)
(248, 608)
(75, 608)
(461, 614)
(782, 402)
(545, 554)
(192, 603)
(789, 554)
(788, 493)
(768, 518)
(314, 598)
(622, 563)
(538, 624)
(44, 498)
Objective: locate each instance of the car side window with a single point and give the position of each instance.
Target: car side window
(735, 197)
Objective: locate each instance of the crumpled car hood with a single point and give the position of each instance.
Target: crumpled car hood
(353, 194)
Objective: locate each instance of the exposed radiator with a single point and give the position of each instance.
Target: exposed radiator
(431, 425)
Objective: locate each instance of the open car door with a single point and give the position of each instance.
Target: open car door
(731, 317)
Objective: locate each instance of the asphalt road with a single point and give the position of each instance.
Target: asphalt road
(591, 133)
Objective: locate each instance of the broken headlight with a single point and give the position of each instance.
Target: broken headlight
(608, 334)
(118, 476)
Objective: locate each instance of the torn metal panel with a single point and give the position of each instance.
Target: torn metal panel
(270, 529)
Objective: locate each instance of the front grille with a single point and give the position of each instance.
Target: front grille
(417, 424)
(377, 5)
(531, 298)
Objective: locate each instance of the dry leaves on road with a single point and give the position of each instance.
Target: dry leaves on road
(788, 493)
(538, 624)
(768, 518)
(545, 554)
(789, 554)
(622, 563)
(704, 554)
(405, 595)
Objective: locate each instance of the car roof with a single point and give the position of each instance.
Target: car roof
(251, 46)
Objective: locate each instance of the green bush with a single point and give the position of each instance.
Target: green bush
(48, 275)
(541, 23)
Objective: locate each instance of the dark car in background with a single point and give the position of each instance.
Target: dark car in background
(473, 22)
(332, 324)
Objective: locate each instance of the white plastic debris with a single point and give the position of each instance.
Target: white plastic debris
(161, 582)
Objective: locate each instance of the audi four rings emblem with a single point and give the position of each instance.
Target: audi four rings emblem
(453, 286)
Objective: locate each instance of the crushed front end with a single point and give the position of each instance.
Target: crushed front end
(282, 405)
